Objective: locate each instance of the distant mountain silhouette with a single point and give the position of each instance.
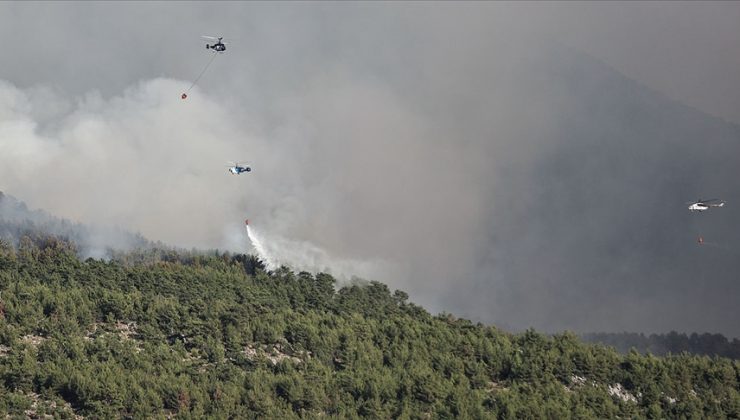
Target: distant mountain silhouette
(17, 221)
(674, 343)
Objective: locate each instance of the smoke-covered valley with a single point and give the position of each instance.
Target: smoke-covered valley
(488, 170)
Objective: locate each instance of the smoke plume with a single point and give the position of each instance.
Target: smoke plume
(521, 164)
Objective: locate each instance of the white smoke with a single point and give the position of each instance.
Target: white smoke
(149, 162)
(144, 160)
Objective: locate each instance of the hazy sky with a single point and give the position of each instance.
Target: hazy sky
(518, 163)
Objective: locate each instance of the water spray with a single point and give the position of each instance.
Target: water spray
(275, 251)
(262, 253)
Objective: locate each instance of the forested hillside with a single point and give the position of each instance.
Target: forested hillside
(158, 332)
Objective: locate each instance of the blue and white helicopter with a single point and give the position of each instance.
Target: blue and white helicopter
(237, 168)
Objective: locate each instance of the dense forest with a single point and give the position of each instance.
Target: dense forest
(160, 332)
(157, 332)
(673, 342)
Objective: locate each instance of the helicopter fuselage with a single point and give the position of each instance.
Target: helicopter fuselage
(698, 207)
(236, 170)
(219, 47)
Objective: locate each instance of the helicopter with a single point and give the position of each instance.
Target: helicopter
(218, 46)
(236, 168)
(702, 205)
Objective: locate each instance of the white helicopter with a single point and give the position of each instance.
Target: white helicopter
(702, 205)
(237, 168)
(218, 45)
